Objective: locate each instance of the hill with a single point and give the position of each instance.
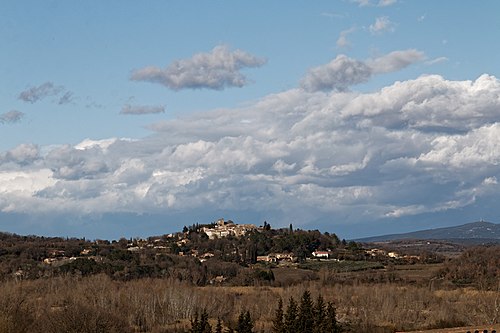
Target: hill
(473, 233)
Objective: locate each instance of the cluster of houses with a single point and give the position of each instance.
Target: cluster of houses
(58, 257)
(220, 229)
(228, 228)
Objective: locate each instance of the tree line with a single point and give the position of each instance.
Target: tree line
(299, 317)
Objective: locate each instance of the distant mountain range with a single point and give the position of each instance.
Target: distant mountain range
(476, 232)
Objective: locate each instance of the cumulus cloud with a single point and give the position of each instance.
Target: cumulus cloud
(141, 109)
(11, 117)
(343, 72)
(420, 146)
(217, 69)
(382, 24)
(339, 74)
(22, 154)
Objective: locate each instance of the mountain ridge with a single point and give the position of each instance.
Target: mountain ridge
(476, 231)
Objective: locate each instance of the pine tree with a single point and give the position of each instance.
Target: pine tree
(319, 316)
(202, 325)
(278, 325)
(331, 324)
(306, 313)
(245, 324)
(290, 323)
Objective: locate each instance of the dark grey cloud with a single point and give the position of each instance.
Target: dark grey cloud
(344, 72)
(217, 69)
(11, 117)
(141, 109)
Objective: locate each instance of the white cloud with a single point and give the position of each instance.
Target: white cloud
(22, 154)
(217, 69)
(339, 74)
(370, 3)
(437, 60)
(343, 72)
(420, 146)
(141, 109)
(385, 3)
(342, 41)
(395, 61)
(490, 181)
(382, 24)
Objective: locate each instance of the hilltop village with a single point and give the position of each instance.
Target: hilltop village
(222, 251)
(222, 272)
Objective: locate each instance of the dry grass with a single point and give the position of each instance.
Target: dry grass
(162, 305)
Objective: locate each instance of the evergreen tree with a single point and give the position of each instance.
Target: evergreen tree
(319, 316)
(331, 324)
(278, 325)
(306, 313)
(202, 325)
(290, 323)
(245, 324)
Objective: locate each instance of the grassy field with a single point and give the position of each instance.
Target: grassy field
(341, 266)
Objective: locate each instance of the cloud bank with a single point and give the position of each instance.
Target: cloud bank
(217, 70)
(419, 146)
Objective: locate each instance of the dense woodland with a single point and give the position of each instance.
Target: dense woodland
(76, 285)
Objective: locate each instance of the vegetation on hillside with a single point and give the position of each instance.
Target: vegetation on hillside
(61, 285)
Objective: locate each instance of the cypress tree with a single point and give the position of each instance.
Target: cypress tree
(331, 319)
(290, 323)
(202, 325)
(306, 313)
(278, 325)
(319, 316)
(245, 324)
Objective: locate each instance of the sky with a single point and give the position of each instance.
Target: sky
(358, 117)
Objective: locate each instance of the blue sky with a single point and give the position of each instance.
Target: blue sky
(121, 118)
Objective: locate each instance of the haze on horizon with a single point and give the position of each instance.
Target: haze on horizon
(357, 117)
